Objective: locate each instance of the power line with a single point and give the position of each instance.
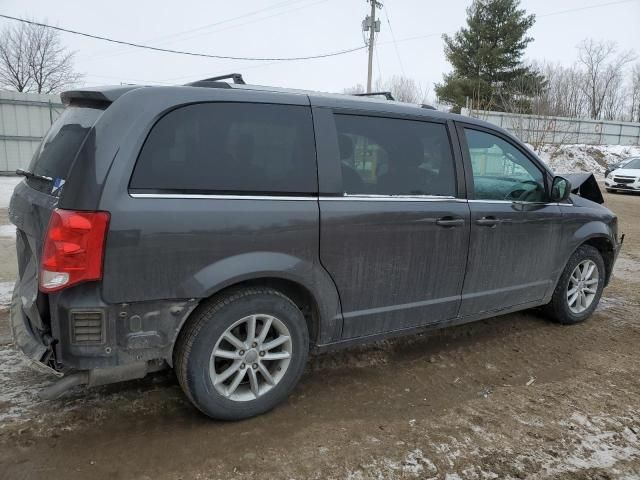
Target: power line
(163, 39)
(393, 37)
(215, 24)
(586, 7)
(231, 27)
(561, 12)
(182, 52)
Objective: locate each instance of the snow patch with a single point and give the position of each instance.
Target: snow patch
(19, 386)
(600, 444)
(585, 158)
(414, 465)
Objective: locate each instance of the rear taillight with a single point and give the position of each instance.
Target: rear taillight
(73, 249)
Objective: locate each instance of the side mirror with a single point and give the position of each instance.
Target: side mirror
(560, 189)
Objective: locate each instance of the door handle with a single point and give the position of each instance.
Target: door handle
(487, 221)
(450, 222)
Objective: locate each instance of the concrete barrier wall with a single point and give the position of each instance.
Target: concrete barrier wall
(24, 120)
(537, 130)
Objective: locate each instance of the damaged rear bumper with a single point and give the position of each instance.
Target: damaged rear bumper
(26, 339)
(134, 339)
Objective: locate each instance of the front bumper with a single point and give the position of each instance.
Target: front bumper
(612, 185)
(616, 252)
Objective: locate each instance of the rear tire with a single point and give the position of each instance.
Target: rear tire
(580, 287)
(266, 355)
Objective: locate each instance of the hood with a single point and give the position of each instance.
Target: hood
(584, 185)
(627, 172)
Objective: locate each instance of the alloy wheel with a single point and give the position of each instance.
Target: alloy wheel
(250, 357)
(583, 286)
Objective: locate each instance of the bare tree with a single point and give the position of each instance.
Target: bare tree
(562, 94)
(403, 89)
(51, 64)
(603, 71)
(614, 103)
(14, 58)
(358, 88)
(534, 119)
(634, 94)
(33, 59)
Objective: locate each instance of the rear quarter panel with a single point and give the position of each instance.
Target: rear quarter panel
(182, 248)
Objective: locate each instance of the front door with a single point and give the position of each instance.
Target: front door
(514, 229)
(395, 237)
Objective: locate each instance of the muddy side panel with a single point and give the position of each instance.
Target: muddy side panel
(173, 246)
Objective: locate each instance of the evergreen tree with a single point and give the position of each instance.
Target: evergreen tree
(486, 56)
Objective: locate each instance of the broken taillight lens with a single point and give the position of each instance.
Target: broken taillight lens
(73, 249)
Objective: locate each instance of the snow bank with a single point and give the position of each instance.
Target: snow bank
(585, 158)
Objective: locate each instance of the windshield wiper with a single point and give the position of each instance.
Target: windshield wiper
(28, 174)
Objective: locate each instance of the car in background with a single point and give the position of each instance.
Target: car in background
(615, 166)
(625, 178)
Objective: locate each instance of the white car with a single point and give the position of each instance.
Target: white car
(625, 178)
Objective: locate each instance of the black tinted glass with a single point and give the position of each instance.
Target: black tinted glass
(230, 148)
(385, 156)
(61, 144)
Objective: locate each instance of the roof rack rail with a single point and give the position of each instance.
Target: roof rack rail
(236, 77)
(386, 95)
(428, 107)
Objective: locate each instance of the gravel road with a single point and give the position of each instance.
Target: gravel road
(510, 397)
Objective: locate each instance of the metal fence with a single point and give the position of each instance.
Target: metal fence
(24, 119)
(538, 130)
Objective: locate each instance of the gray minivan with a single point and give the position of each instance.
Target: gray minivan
(226, 230)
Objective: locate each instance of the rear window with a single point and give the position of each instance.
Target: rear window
(60, 146)
(233, 148)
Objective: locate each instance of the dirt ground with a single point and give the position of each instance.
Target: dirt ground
(511, 397)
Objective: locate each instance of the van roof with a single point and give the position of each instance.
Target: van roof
(109, 94)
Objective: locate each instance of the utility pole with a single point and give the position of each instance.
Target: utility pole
(371, 25)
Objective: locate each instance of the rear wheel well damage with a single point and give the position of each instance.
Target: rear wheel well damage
(607, 250)
(296, 292)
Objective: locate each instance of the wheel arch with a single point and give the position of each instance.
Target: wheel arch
(605, 246)
(598, 234)
(307, 285)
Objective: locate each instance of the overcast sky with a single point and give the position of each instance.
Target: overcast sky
(279, 28)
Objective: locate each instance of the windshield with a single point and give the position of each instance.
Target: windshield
(634, 163)
(56, 153)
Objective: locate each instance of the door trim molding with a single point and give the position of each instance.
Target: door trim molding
(393, 198)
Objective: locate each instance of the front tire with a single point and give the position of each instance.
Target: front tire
(580, 287)
(242, 353)
(610, 190)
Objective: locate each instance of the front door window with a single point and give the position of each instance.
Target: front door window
(501, 171)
